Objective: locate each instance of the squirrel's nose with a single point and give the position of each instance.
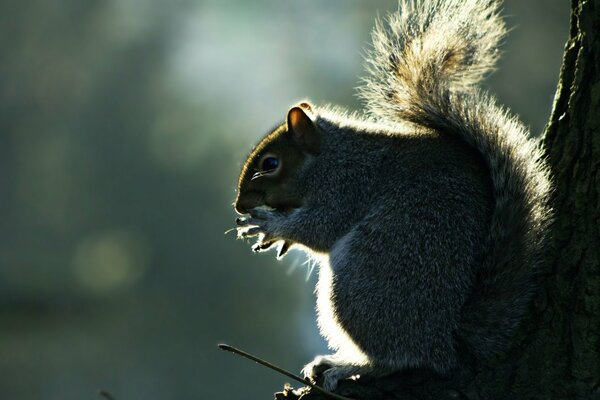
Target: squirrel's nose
(247, 201)
(239, 205)
(240, 209)
(243, 204)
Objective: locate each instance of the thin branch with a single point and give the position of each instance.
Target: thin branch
(104, 393)
(267, 364)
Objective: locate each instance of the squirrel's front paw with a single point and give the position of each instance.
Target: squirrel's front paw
(262, 224)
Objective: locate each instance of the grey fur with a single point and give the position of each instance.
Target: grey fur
(429, 218)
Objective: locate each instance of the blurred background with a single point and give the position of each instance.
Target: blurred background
(123, 125)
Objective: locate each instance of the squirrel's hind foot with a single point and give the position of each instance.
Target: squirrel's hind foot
(327, 371)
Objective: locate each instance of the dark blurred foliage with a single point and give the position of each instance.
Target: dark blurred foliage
(123, 125)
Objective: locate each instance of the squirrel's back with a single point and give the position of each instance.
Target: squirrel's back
(424, 67)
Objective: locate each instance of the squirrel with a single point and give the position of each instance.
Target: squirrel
(428, 212)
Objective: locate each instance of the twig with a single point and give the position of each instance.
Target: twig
(267, 364)
(105, 394)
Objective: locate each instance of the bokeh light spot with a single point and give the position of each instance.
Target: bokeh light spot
(109, 261)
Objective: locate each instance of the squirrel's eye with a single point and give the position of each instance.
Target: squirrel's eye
(269, 163)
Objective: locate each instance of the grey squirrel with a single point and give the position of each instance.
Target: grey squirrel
(428, 214)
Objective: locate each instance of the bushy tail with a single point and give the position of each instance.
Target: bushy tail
(424, 67)
(430, 47)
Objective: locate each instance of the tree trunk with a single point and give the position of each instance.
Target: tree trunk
(565, 362)
(556, 354)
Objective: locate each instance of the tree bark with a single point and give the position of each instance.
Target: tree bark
(566, 363)
(556, 354)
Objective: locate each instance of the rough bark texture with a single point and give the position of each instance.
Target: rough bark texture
(567, 363)
(556, 354)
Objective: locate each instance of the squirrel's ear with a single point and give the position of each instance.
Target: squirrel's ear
(301, 126)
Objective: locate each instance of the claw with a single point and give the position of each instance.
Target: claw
(263, 246)
(283, 249)
(250, 232)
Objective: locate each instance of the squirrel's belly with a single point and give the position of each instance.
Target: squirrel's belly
(337, 338)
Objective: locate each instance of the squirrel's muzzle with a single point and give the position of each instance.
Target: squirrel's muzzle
(247, 201)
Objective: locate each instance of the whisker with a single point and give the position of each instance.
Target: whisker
(258, 175)
(311, 267)
(294, 265)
